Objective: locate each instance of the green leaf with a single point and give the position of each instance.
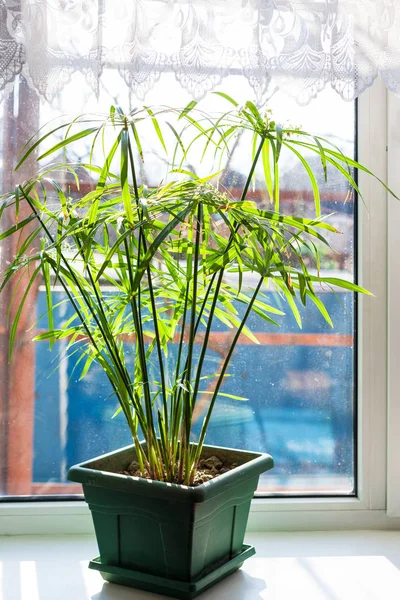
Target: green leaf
(253, 155)
(276, 176)
(137, 140)
(179, 141)
(157, 128)
(66, 142)
(311, 176)
(323, 157)
(117, 412)
(62, 198)
(37, 143)
(49, 298)
(16, 227)
(218, 260)
(89, 361)
(290, 300)
(278, 140)
(185, 172)
(321, 307)
(16, 202)
(111, 252)
(342, 283)
(17, 316)
(303, 288)
(126, 195)
(225, 395)
(215, 375)
(164, 233)
(267, 168)
(104, 173)
(189, 107)
(223, 95)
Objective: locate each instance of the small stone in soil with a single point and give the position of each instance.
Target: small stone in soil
(211, 463)
(134, 466)
(202, 477)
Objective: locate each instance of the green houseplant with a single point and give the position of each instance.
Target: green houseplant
(163, 253)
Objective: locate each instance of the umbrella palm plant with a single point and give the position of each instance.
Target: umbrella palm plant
(149, 266)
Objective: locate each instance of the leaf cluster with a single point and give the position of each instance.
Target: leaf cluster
(157, 268)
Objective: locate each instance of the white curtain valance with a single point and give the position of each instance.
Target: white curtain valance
(298, 46)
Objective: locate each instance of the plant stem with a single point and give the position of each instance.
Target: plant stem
(149, 431)
(188, 405)
(224, 368)
(151, 292)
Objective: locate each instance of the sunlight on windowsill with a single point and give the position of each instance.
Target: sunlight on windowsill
(356, 565)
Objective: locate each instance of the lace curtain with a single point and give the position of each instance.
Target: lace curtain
(297, 46)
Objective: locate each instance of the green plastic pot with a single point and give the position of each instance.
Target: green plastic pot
(169, 538)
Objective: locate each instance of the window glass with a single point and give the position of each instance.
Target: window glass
(299, 383)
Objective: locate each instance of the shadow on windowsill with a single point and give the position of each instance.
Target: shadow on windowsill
(237, 586)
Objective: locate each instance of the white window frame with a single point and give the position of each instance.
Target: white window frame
(393, 261)
(377, 505)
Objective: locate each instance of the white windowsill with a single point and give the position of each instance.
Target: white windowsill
(266, 515)
(356, 565)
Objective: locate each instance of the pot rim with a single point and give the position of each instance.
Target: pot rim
(90, 473)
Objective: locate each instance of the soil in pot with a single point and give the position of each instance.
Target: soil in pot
(208, 469)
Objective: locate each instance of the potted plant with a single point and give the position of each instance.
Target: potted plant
(169, 512)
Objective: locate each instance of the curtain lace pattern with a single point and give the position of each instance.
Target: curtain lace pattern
(297, 46)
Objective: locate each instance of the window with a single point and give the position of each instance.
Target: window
(300, 384)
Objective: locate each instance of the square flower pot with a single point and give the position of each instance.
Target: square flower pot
(169, 538)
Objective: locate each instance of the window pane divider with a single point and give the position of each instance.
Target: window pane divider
(393, 442)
